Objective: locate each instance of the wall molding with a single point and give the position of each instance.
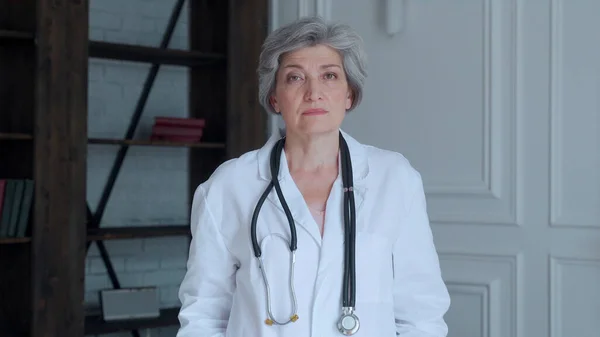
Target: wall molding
(558, 218)
(556, 264)
(323, 8)
(489, 294)
(498, 187)
(556, 138)
(509, 286)
(304, 8)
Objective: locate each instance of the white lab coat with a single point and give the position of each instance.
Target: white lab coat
(399, 287)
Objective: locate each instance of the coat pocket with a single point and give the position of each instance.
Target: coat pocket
(374, 272)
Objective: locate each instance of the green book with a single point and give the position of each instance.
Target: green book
(14, 213)
(7, 207)
(23, 220)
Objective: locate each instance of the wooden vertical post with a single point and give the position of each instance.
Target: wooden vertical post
(208, 85)
(60, 144)
(246, 120)
(16, 157)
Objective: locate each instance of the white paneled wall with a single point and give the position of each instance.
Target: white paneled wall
(496, 103)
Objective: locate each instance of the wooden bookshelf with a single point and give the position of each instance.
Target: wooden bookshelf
(95, 324)
(43, 137)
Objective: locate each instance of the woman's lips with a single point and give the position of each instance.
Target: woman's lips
(314, 112)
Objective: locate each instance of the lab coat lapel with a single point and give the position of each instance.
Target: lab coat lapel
(295, 202)
(333, 239)
(334, 217)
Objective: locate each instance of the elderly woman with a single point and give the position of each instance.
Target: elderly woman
(315, 234)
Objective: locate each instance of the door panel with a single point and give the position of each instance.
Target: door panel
(496, 103)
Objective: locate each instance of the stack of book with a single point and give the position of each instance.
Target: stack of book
(16, 197)
(177, 129)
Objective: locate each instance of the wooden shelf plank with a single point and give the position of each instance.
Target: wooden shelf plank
(15, 136)
(115, 233)
(144, 142)
(14, 34)
(5, 241)
(132, 142)
(95, 325)
(134, 53)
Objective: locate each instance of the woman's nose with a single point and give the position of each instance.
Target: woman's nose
(313, 90)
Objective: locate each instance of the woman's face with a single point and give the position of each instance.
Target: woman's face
(312, 93)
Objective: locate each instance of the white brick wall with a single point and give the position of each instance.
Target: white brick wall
(152, 185)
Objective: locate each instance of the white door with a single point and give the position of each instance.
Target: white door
(496, 103)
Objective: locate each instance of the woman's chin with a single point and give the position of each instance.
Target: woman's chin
(318, 128)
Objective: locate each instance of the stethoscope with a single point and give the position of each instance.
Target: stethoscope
(348, 323)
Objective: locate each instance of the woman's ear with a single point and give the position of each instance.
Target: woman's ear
(349, 99)
(274, 104)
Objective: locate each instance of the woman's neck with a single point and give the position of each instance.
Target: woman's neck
(312, 153)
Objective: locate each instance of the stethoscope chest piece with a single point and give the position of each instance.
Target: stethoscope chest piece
(348, 324)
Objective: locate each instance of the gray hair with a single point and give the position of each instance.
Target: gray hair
(307, 32)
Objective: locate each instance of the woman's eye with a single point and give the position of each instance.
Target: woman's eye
(294, 78)
(330, 76)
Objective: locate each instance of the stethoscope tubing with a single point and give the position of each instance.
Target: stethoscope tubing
(274, 165)
(348, 300)
(349, 278)
(291, 286)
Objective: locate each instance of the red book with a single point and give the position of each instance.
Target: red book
(176, 139)
(160, 130)
(173, 134)
(180, 122)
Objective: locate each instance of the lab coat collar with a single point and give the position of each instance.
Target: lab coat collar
(360, 167)
(294, 198)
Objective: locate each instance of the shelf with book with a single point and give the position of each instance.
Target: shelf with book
(44, 138)
(44, 94)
